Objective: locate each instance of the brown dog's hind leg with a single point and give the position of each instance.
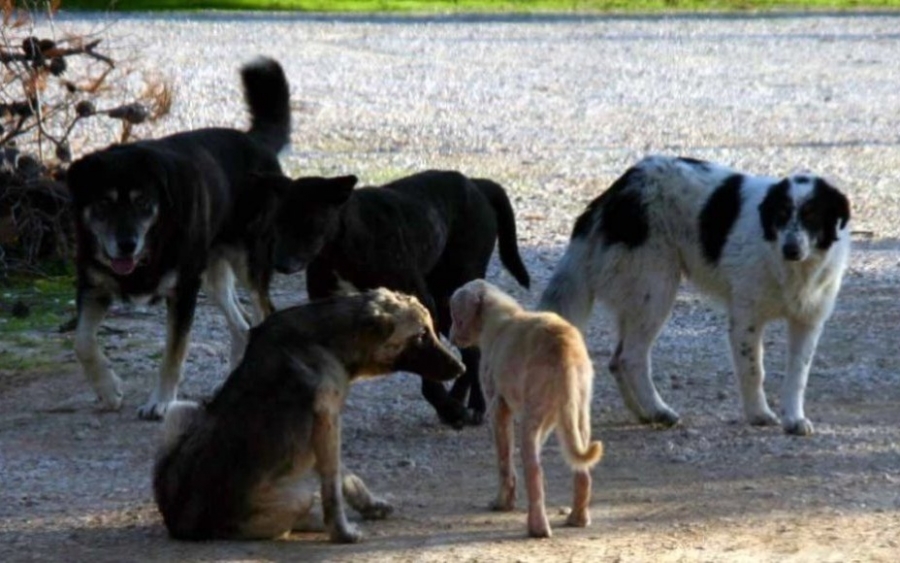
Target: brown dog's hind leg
(326, 437)
(363, 501)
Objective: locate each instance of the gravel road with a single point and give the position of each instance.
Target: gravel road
(554, 108)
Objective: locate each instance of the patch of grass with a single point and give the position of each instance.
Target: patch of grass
(36, 304)
(466, 6)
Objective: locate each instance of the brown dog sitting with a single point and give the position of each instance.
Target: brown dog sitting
(232, 469)
(536, 365)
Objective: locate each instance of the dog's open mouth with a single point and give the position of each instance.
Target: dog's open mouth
(123, 266)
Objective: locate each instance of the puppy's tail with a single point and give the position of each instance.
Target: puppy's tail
(506, 229)
(574, 432)
(267, 94)
(569, 293)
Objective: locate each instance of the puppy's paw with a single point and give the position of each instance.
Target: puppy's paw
(579, 519)
(346, 533)
(539, 526)
(378, 509)
(798, 427)
(503, 504)
(109, 393)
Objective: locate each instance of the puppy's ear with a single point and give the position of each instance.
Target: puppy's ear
(466, 307)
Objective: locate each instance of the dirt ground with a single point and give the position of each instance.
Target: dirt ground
(75, 482)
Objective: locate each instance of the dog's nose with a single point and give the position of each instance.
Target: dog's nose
(126, 246)
(791, 251)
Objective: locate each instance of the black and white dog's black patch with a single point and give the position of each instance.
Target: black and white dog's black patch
(766, 248)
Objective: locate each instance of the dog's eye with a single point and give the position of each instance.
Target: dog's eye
(142, 203)
(101, 208)
(783, 214)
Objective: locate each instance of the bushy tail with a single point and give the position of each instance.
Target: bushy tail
(267, 94)
(573, 430)
(506, 229)
(569, 293)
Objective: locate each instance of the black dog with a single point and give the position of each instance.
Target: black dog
(232, 469)
(152, 216)
(426, 234)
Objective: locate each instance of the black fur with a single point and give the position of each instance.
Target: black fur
(825, 213)
(199, 180)
(618, 213)
(702, 164)
(718, 217)
(776, 209)
(425, 234)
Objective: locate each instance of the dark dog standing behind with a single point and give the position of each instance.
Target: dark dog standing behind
(152, 216)
(232, 469)
(425, 234)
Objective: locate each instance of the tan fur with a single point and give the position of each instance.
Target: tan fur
(279, 415)
(536, 365)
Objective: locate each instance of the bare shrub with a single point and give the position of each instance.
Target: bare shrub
(49, 86)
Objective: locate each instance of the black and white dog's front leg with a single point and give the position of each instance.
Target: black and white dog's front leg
(92, 307)
(180, 307)
(746, 339)
(802, 341)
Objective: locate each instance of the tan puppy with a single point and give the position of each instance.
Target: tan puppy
(536, 365)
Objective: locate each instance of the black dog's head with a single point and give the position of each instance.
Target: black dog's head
(306, 216)
(803, 214)
(407, 339)
(118, 194)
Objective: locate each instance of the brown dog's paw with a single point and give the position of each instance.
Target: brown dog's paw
(346, 533)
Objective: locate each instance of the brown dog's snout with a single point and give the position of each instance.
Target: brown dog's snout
(431, 359)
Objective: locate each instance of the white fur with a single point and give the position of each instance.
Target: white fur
(752, 280)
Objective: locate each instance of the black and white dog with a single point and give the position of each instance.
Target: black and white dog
(153, 217)
(767, 248)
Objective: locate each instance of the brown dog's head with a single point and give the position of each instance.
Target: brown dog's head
(409, 340)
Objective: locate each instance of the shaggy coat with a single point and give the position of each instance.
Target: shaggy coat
(232, 468)
(152, 216)
(765, 248)
(537, 366)
(425, 234)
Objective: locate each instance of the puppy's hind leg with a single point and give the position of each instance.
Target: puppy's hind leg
(533, 436)
(502, 427)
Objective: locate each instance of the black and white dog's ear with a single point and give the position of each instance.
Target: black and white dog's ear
(775, 209)
(835, 205)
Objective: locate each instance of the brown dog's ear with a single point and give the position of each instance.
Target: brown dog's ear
(378, 327)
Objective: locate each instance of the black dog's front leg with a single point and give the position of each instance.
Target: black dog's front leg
(470, 383)
(180, 309)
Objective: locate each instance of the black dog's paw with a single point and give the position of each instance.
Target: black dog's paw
(454, 415)
(475, 418)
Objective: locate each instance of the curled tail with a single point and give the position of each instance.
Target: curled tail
(574, 432)
(506, 229)
(569, 293)
(267, 95)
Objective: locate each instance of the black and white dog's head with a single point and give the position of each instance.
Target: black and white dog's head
(117, 202)
(803, 214)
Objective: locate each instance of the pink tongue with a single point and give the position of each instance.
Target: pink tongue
(123, 266)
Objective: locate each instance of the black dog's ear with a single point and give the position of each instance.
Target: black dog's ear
(835, 209)
(340, 189)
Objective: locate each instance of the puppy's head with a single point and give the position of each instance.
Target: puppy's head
(802, 215)
(408, 341)
(117, 194)
(306, 216)
(466, 310)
